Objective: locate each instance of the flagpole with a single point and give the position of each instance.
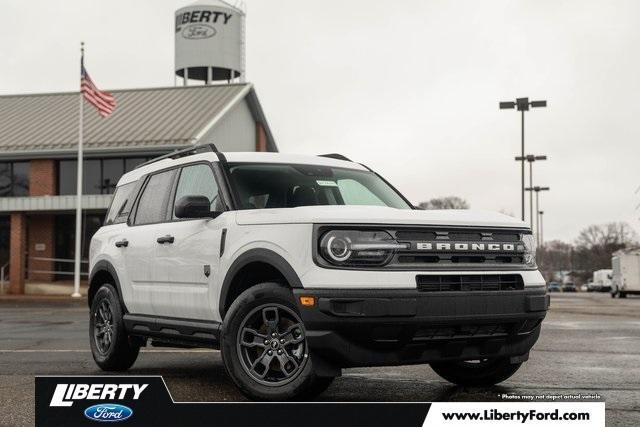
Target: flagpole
(78, 248)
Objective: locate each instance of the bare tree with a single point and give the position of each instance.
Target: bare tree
(592, 250)
(596, 243)
(612, 234)
(450, 202)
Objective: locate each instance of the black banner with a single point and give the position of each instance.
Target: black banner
(145, 400)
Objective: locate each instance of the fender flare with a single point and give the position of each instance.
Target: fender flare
(266, 256)
(106, 266)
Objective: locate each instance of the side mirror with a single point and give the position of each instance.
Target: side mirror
(194, 207)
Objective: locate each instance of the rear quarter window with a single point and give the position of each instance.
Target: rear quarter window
(121, 204)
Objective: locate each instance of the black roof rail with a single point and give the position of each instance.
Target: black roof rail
(335, 156)
(182, 153)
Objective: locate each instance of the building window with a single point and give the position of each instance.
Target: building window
(100, 176)
(14, 179)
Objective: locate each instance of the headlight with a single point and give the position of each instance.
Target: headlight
(529, 250)
(358, 248)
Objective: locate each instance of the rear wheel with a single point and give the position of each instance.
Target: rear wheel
(482, 373)
(112, 348)
(264, 346)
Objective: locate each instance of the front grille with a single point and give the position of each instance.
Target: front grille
(458, 248)
(468, 283)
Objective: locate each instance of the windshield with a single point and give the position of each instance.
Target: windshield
(264, 186)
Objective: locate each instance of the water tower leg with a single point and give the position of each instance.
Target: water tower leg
(186, 76)
(209, 75)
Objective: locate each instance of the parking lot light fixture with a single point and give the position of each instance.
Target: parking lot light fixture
(540, 235)
(537, 189)
(531, 158)
(522, 105)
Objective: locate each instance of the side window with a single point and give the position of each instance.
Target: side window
(199, 180)
(153, 201)
(121, 204)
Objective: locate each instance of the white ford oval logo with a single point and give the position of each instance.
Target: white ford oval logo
(198, 31)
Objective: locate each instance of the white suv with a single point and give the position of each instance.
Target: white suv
(297, 266)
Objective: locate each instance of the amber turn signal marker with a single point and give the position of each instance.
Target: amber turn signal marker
(308, 301)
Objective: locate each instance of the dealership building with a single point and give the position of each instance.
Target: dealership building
(39, 137)
(38, 161)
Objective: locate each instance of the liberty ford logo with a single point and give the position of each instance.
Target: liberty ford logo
(198, 31)
(468, 247)
(108, 412)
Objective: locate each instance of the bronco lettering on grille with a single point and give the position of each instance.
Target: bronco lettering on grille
(468, 247)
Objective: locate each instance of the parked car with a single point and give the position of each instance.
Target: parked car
(569, 287)
(554, 287)
(296, 267)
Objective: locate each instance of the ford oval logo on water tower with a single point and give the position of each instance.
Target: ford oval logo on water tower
(198, 31)
(108, 412)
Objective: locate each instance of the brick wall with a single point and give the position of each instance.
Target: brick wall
(41, 241)
(41, 244)
(261, 138)
(17, 248)
(43, 177)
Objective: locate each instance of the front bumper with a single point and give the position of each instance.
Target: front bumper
(350, 328)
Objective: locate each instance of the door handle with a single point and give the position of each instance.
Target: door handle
(122, 243)
(165, 239)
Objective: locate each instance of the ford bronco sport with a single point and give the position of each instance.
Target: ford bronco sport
(297, 266)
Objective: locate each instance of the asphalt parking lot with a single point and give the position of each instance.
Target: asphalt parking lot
(589, 344)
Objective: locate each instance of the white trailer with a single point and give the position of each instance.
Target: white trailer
(601, 280)
(626, 273)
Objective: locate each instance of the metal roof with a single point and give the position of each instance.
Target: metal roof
(144, 119)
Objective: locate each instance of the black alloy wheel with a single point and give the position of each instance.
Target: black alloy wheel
(271, 344)
(112, 348)
(103, 327)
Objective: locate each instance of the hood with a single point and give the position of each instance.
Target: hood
(376, 215)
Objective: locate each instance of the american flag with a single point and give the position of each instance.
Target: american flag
(103, 101)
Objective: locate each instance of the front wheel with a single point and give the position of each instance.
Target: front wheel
(264, 346)
(480, 373)
(112, 348)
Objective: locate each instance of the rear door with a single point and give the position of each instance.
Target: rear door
(147, 224)
(189, 264)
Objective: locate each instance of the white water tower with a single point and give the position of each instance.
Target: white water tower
(210, 42)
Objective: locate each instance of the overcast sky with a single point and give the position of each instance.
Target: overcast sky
(410, 88)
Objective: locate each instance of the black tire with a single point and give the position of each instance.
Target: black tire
(247, 337)
(479, 374)
(119, 352)
(613, 294)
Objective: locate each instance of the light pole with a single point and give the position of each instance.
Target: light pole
(522, 105)
(531, 158)
(541, 236)
(537, 190)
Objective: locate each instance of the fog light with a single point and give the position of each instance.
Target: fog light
(308, 301)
